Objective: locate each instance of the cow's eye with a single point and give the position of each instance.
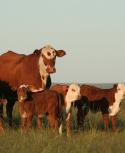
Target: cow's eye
(73, 90)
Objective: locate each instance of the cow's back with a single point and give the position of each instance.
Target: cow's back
(94, 93)
(15, 69)
(8, 65)
(46, 102)
(11, 58)
(60, 88)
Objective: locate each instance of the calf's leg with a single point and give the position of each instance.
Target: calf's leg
(105, 121)
(53, 122)
(114, 122)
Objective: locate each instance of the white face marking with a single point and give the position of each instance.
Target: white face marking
(72, 95)
(42, 70)
(119, 96)
(121, 89)
(49, 52)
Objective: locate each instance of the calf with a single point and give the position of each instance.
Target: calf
(70, 93)
(51, 103)
(105, 100)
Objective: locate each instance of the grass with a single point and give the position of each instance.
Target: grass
(91, 140)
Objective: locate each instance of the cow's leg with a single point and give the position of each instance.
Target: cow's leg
(53, 122)
(9, 111)
(1, 118)
(81, 114)
(39, 121)
(105, 121)
(105, 113)
(68, 124)
(113, 120)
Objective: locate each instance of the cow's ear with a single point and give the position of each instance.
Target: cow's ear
(65, 88)
(115, 85)
(37, 52)
(60, 53)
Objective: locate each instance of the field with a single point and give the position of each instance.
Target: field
(92, 140)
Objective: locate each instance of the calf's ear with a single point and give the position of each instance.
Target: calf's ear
(60, 53)
(65, 89)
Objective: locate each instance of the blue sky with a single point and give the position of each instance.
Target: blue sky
(92, 32)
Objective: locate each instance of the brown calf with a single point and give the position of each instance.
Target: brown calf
(95, 99)
(51, 103)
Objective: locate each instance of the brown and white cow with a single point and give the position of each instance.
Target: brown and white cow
(31, 70)
(105, 100)
(51, 103)
(72, 93)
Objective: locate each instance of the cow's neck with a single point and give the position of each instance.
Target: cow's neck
(67, 103)
(42, 71)
(115, 107)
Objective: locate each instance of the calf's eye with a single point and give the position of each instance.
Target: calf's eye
(73, 90)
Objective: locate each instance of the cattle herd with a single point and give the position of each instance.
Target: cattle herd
(26, 79)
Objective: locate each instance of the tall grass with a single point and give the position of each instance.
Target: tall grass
(91, 140)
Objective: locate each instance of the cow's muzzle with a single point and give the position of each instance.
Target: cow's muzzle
(51, 69)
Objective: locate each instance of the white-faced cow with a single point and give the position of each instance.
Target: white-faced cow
(69, 97)
(105, 100)
(31, 70)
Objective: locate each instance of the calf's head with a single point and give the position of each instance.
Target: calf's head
(72, 95)
(22, 93)
(120, 94)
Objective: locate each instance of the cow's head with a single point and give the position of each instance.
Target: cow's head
(120, 94)
(48, 58)
(72, 95)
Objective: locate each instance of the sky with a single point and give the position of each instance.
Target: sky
(92, 32)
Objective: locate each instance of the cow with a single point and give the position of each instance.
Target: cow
(50, 102)
(31, 70)
(96, 99)
(64, 90)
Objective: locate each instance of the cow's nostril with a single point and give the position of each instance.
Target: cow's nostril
(48, 53)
